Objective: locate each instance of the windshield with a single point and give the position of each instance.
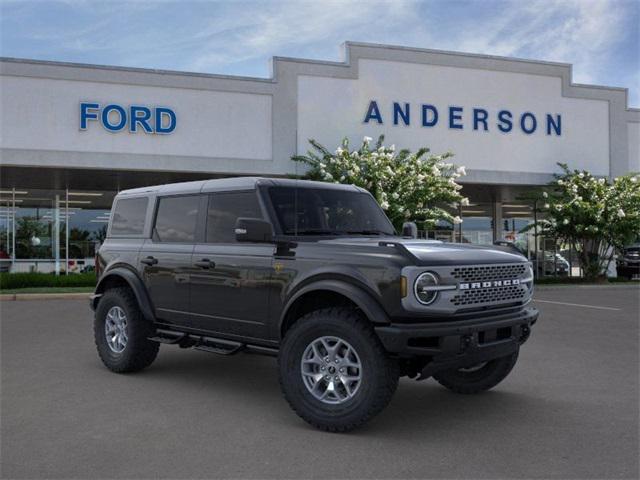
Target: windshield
(318, 211)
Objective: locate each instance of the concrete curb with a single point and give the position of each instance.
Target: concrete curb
(7, 297)
(605, 285)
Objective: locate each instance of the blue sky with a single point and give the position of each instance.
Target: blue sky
(600, 38)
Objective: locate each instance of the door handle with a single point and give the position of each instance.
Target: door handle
(149, 261)
(205, 263)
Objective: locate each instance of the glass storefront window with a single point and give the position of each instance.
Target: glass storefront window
(516, 217)
(477, 223)
(52, 230)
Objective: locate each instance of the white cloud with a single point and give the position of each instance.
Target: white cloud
(581, 32)
(279, 25)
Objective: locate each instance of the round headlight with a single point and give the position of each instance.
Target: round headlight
(423, 288)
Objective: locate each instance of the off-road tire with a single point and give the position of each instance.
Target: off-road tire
(379, 372)
(487, 377)
(139, 352)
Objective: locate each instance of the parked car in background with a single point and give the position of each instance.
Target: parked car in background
(5, 262)
(628, 264)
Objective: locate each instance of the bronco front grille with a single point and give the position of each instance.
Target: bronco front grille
(485, 284)
(487, 273)
(512, 293)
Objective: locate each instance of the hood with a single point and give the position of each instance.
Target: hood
(433, 252)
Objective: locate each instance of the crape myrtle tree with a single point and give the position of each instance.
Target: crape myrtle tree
(595, 216)
(408, 186)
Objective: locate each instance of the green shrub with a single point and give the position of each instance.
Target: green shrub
(27, 280)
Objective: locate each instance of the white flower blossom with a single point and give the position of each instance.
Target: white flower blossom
(384, 205)
(621, 213)
(565, 221)
(392, 148)
(367, 139)
(545, 194)
(464, 202)
(457, 220)
(546, 205)
(461, 170)
(339, 151)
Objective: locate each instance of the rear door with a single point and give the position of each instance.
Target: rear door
(230, 289)
(165, 259)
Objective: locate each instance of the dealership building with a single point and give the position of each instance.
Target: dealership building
(73, 135)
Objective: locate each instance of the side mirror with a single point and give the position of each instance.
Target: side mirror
(255, 230)
(410, 229)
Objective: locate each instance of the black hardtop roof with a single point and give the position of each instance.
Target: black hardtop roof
(230, 184)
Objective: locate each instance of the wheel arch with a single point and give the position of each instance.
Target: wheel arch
(124, 277)
(330, 292)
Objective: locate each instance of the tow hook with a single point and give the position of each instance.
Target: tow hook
(524, 335)
(466, 342)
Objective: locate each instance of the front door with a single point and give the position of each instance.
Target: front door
(231, 282)
(165, 260)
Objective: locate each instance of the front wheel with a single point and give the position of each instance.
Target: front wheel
(477, 378)
(333, 370)
(121, 332)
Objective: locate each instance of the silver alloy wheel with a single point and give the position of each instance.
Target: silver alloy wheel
(331, 370)
(115, 329)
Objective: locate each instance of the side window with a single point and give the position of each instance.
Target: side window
(224, 210)
(176, 219)
(129, 215)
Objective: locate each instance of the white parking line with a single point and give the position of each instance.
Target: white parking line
(577, 305)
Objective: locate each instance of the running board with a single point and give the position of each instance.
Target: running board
(220, 346)
(168, 336)
(217, 345)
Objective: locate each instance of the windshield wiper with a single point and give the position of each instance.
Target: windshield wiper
(367, 232)
(314, 231)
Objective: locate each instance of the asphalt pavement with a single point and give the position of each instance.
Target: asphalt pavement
(568, 410)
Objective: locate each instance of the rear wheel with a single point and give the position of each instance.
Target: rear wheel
(333, 370)
(477, 378)
(121, 331)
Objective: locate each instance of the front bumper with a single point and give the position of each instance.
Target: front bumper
(461, 343)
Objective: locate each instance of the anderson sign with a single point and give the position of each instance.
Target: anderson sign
(461, 118)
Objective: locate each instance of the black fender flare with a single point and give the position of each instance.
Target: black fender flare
(135, 283)
(363, 300)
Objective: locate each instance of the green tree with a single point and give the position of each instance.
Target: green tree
(408, 186)
(595, 216)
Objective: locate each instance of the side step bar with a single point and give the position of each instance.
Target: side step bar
(220, 346)
(168, 336)
(217, 345)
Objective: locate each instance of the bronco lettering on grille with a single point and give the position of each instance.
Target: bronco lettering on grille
(493, 283)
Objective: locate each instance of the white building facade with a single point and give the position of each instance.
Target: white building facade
(72, 135)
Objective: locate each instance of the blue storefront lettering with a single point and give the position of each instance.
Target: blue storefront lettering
(115, 118)
(476, 118)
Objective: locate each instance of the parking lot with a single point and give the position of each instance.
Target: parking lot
(569, 409)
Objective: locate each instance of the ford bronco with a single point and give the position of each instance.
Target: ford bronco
(314, 274)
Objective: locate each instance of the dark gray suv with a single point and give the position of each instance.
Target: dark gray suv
(314, 274)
